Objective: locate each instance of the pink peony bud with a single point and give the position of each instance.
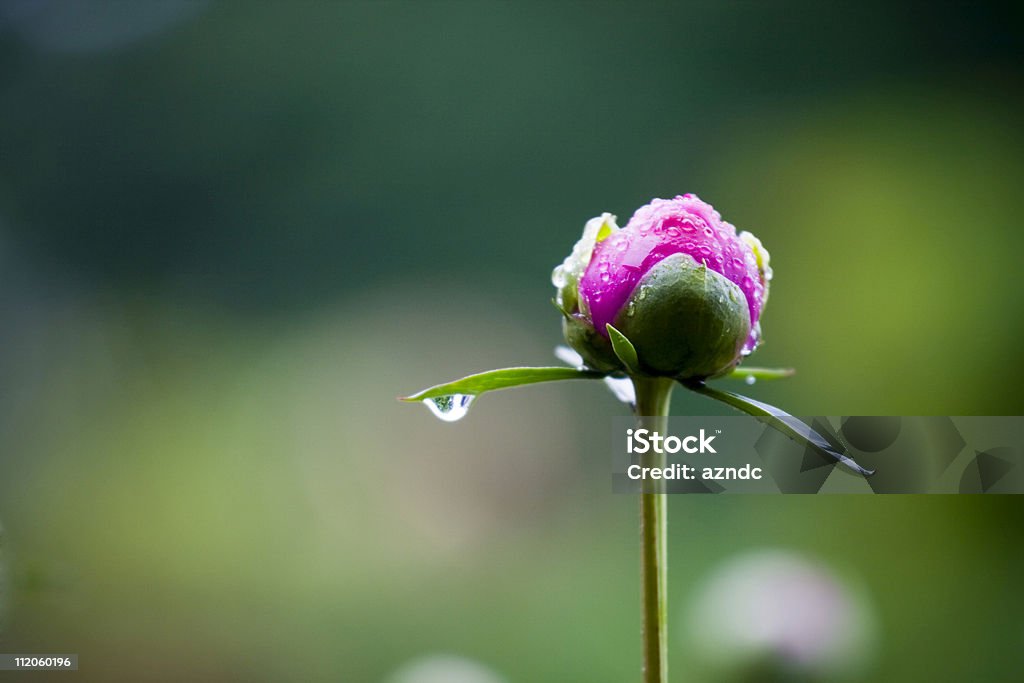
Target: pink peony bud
(676, 280)
(684, 225)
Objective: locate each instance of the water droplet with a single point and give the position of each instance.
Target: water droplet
(449, 408)
(750, 379)
(631, 309)
(605, 277)
(643, 292)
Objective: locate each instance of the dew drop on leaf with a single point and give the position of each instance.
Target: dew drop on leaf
(449, 408)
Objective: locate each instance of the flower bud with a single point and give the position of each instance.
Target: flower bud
(677, 281)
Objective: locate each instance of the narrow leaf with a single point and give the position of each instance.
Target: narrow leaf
(761, 373)
(474, 385)
(624, 350)
(782, 421)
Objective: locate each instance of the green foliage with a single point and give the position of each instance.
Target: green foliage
(505, 378)
(624, 350)
(779, 420)
(761, 373)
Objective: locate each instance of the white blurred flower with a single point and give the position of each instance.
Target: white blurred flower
(440, 668)
(778, 608)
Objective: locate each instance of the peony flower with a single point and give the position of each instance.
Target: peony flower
(677, 281)
(775, 610)
(677, 294)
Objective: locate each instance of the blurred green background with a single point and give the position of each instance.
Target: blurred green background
(231, 233)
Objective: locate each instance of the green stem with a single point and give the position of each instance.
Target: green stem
(653, 395)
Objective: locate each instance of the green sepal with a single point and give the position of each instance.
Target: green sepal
(595, 349)
(624, 350)
(565, 314)
(685, 320)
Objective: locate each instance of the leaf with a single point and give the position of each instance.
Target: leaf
(505, 378)
(782, 421)
(624, 350)
(761, 373)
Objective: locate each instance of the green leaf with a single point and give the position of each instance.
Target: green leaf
(781, 421)
(624, 350)
(492, 380)
(761, 373)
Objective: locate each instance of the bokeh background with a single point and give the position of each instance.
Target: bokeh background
(232, 233)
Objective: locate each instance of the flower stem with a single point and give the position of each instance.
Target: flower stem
(653, 395)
